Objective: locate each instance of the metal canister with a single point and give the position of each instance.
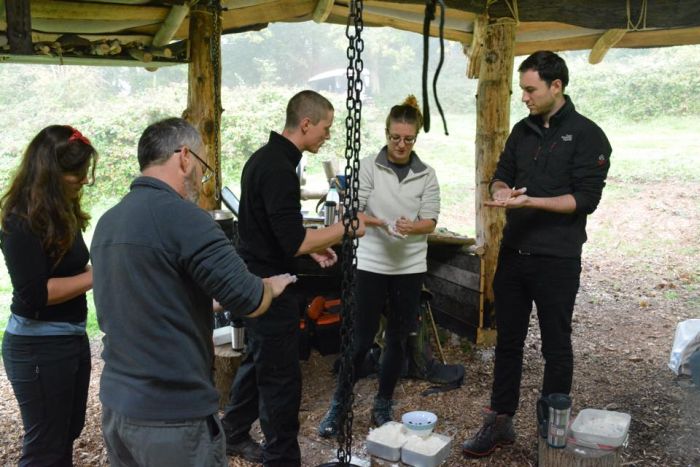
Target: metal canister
(237, 335)
(329, 209)
(559, 415)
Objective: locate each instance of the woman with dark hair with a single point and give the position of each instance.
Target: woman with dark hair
(45, 348)
(399, 193)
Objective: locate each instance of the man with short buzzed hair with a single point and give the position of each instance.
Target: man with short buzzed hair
(549, 178)
(268, 383)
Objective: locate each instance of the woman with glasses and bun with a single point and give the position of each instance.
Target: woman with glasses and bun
(399, 195)
(45, 348)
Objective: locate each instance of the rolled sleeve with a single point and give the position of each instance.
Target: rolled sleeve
(591, 165)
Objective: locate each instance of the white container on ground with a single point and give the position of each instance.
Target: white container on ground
(386, 441)
(600, 428)
(426, 452)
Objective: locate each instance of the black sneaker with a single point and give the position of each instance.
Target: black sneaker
(329, 426)
(496, 431)
(246, 449)
(381, 411)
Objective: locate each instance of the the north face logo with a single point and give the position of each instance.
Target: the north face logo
(567, 138)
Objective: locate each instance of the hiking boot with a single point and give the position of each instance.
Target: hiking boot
(246, 449)
(381, 411)
(329, 426)
(496, 431)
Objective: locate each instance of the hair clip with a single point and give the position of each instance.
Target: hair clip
(76, 135)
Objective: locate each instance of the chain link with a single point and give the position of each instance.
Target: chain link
(351, 206)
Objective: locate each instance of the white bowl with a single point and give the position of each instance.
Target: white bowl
(419, 422)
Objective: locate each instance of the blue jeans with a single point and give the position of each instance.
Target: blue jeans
(552, 284)
(50, 376)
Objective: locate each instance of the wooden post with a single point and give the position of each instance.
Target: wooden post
(492, 128)
(204, 92)
(573, 457)
(19, 26)
(226, 363)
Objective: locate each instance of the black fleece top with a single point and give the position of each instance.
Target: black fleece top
(158, 260)
(270, 223)
(572, 156)
(30, 269)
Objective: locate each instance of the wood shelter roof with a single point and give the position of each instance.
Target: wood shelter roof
(153, 32)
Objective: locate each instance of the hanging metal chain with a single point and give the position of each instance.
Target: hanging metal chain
(351, 204)
(215, 42)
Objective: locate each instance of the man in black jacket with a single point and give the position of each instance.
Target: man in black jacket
(272, 235)
(549, 178)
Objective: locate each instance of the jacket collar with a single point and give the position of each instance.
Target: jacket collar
(290, 151)
(152, 182)
(535, 121)
(416, 165)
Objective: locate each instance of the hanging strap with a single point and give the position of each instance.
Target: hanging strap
(430, 6)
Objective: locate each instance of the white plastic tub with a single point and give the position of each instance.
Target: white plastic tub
(386, 441)
(426, 452)
(601, 428)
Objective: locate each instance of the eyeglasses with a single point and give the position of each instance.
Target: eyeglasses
(208, 172)
(396, 139)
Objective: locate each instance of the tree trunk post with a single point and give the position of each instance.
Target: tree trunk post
(576, 457)
(204, 92)
(492, 128)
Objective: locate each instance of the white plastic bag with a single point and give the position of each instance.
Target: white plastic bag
(686, 341)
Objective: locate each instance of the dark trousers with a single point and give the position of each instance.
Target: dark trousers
(133, 442)
(552, 284)
(50, 376)
(268, 384)
(402, 292)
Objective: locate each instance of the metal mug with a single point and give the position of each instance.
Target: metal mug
(330, 212)
(553, 415)
(237, 335)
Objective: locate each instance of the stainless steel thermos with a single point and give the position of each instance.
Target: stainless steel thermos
(237, 335)
(553, 415)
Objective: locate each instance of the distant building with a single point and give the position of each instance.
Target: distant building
(336, 81)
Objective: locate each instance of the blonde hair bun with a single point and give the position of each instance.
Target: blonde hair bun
(411, 101)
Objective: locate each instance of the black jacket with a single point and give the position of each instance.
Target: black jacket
(572, 156)
(270, 223)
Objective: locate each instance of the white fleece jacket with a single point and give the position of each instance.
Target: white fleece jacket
(382, 195)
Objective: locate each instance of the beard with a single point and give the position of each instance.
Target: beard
(191, 190)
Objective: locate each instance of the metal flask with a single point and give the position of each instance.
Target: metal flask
(237, 335)
(553, 414)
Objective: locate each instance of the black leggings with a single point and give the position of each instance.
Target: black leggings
(403, 294)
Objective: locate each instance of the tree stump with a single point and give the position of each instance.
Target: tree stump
(226, 363)
(575, 456)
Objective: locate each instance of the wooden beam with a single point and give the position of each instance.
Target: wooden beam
(340, 14)
(172, 23)
(492, 128)
(57, 9)
(605, 43)
(83, 61)
(475, 49)
(282, 10)
(323, 9)
(203, 99)
(635, 39)
(19, 26)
